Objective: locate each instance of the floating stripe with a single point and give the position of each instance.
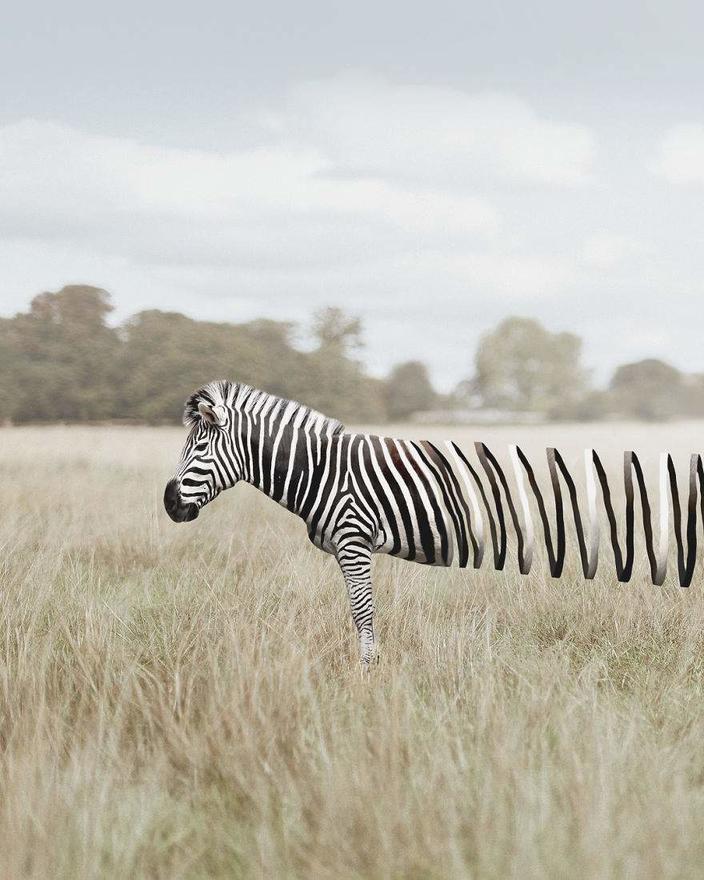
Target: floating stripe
(586, 526)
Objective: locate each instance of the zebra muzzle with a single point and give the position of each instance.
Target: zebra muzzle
(177, 510)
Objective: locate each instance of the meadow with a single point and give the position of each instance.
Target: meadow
(185, 701)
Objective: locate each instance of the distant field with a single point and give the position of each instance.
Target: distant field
(184, 701)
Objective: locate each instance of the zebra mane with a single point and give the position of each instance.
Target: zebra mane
(245, 398)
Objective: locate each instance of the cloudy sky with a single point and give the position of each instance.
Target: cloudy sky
(432, 168)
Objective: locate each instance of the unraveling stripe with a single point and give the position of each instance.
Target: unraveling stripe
(586, 522)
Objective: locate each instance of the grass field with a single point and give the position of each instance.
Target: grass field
(184, 701)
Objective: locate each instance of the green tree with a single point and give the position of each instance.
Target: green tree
(166, 356)
(649, 389)
(334, 329)
(65, 356)
(693, 395)
(522, 366)
(10, 395)
(61, 360)
(409, 390)
(337, 384)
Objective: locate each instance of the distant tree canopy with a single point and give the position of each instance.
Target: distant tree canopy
(337, 383)
(522, 366)
(62, 358)
(409, 390)
(62, 361)
(649, 389)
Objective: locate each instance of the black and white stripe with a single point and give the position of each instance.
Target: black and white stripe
(361, 494)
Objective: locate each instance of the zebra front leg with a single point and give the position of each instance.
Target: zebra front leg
(355, 561)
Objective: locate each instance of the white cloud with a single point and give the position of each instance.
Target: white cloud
(681, 155)
(366, 125)
(392, 201)
(606, 250)
(353, 168)
(271, 203)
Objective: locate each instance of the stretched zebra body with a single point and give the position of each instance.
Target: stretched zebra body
(361, 494)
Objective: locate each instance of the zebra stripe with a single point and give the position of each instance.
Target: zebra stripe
(361, 494)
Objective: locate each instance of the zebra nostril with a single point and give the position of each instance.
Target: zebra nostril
(171, 495)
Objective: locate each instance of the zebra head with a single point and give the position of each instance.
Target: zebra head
(209, 461)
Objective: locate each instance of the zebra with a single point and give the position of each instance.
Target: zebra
(361, 494)
(358, 494)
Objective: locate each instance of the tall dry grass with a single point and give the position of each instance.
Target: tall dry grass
(184, 701)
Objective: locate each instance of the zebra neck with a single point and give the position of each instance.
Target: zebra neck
(288, 464)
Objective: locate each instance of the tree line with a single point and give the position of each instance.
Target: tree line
(521, 366)
(62, 360)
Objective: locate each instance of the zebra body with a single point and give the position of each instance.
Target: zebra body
(358, 494)
(361, 494)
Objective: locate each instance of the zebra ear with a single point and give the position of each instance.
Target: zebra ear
(212, 413)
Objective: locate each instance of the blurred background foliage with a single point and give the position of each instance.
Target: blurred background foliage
(63, 360)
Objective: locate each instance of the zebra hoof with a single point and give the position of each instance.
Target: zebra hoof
(366, 663)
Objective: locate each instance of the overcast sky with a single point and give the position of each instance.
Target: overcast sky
(433, 169)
